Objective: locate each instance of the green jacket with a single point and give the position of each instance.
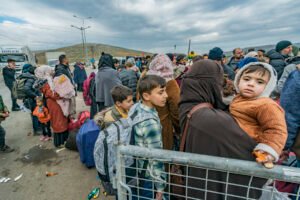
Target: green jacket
(3, 108)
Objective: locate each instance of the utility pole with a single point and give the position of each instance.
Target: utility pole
(174, 48)
(189, 48)
(83, 36)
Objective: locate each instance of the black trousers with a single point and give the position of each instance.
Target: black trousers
(13, 99)
(46, 129)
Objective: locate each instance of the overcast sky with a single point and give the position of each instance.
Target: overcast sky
(150, 25)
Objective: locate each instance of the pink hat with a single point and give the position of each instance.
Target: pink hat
(161, 66)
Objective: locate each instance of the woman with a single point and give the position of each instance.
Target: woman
(59, 122)
(106, 78)
(211, 131)
(31, 93)
(162, 66)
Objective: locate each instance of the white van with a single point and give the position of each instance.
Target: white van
(22, 56)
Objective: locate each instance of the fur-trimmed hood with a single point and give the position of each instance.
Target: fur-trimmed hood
(270, 85)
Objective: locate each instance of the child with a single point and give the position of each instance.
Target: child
(43, 116)
(257, 114)
(148, 133)
(4, 113)
(122, 97)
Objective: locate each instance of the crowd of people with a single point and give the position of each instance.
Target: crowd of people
(245, 108)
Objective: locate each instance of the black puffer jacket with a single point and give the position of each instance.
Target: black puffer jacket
(63, 69)
(129, 79)
(9, 76)
(277, 61)
(30, 92)
(28, 87)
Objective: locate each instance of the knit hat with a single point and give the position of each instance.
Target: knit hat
(26, 68)
(162, 66)
(282, 45)
(215, 54)
(270, 85)
(246, 61)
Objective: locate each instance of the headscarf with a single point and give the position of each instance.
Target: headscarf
(161, 66)
(45, 72)
(202, 84)
(106, 60)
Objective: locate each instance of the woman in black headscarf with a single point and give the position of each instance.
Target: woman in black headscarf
(211, 131)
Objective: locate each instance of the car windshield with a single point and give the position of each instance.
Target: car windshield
(17, 58)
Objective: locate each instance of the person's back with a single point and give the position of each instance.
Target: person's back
(129, 78)
(257, 114)
(289, 101)
(106, 79)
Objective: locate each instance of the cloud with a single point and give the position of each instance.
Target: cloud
(151, 25)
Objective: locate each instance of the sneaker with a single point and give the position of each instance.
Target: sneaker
(6, 149)
(47, 138)
(42, 138)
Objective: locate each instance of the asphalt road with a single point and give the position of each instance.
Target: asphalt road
(34, 158)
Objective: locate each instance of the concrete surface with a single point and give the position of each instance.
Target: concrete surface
(34, 158)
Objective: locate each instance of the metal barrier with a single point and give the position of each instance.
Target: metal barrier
(204, 177)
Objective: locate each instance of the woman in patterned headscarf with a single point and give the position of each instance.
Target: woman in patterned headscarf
(162, 66)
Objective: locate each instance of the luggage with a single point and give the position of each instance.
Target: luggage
(71, 141)
(86, 89)
(85, 140)
(77, 123)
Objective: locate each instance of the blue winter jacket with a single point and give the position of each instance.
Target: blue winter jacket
(290, 102)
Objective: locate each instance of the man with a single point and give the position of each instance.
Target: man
(9, 79)
(261, 55)
(216, 54)
(63, 68)
(278, 56)
(235, 59)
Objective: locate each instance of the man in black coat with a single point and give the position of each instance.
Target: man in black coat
(9, 79)
(63, 68)
(279, 55)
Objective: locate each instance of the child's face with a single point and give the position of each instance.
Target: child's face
(157, 97)
(39, 103)
(126, 104)
(251, 85)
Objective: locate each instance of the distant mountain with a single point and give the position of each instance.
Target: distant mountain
(75, 52)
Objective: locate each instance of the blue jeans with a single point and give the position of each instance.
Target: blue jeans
(146, 190)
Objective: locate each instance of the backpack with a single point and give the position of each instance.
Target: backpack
(77, 123)
(119, 132)
(86, 90)
(18, 90)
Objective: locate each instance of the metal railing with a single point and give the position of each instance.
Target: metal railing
(204, 177)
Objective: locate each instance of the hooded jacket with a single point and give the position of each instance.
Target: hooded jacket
(289, 101)
(277, 60)
(261, 117)
(105, 80)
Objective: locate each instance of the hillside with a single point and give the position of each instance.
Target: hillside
(75, 52)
